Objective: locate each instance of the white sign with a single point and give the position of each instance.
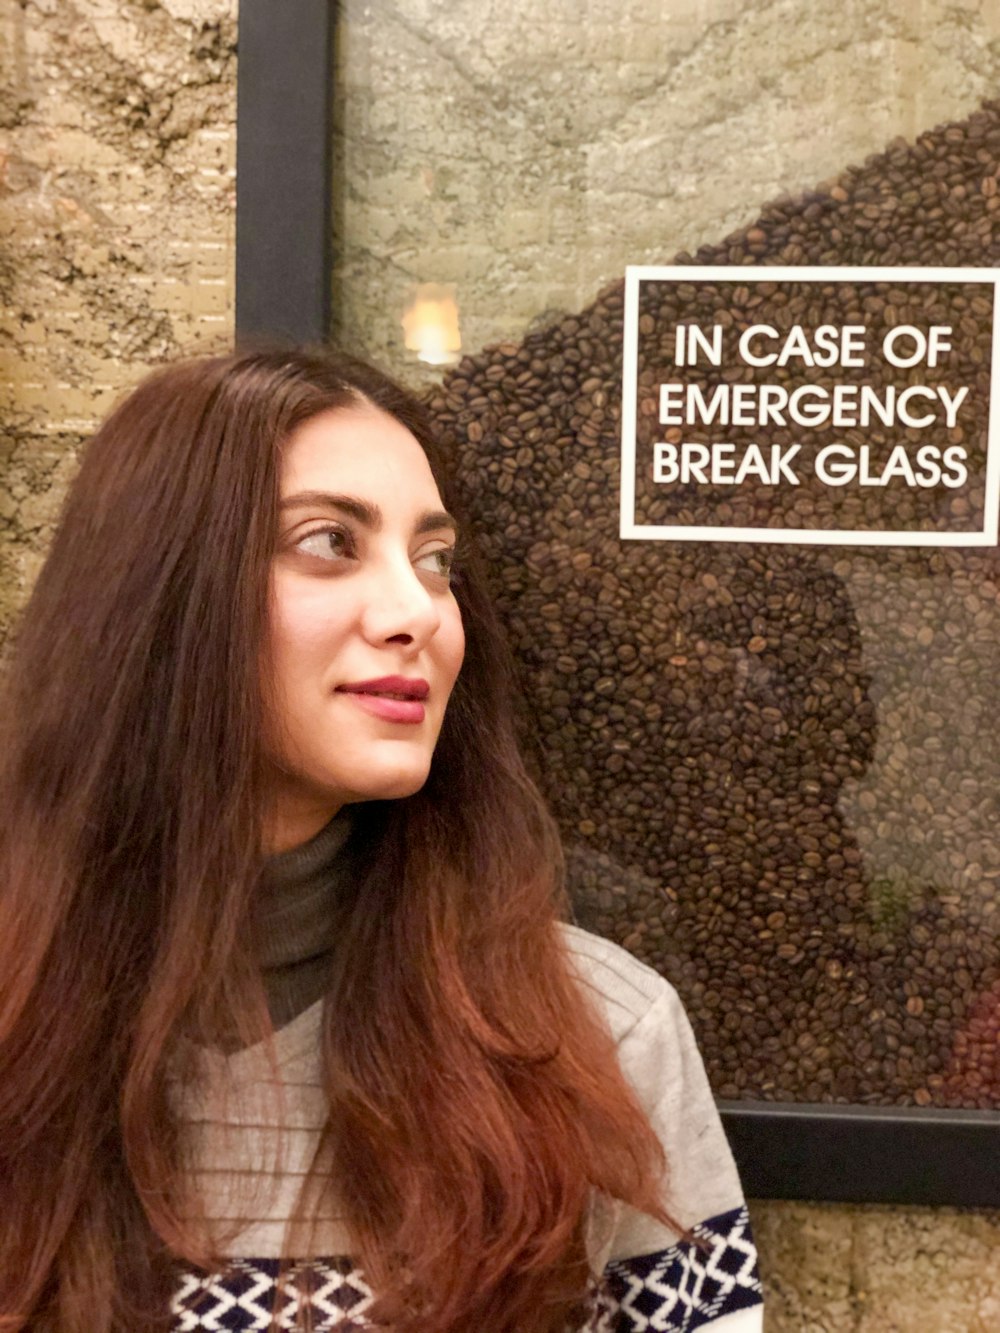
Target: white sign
(743, 398)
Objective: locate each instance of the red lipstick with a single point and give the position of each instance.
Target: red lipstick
(391, 698)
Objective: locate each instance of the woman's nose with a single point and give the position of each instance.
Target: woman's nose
(399, 608)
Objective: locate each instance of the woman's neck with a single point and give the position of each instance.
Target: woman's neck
(295, 917)
(291, 826)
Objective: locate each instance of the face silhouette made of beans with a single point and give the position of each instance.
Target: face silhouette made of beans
(366, 637)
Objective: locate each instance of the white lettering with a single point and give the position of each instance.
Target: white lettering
(843, 406)
(723, 464)
(899, 465)
(706, 412)
(753, 464)
(829, 345)
(939, 333)
(781, 461)
(773, 397)
(854, 345)
(930, 471)
(903, 406)
(871, 402)
(796, 345)
(900, 359)
(815, 415)
(694, 460)
(746, 351)
(835, 465)
(954, 461)
(744, 406)
(952, 404)
(691, 343)
(671, 404)
(664, 463)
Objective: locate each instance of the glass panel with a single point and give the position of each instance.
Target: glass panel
(773, 764)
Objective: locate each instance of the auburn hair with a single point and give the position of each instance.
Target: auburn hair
(475, 1102)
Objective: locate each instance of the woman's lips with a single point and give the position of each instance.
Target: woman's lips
(391, 698)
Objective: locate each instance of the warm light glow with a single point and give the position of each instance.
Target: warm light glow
(430, 324)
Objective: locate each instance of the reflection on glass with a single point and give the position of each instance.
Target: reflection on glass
(430, 324)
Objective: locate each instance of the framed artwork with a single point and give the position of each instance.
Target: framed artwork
(759, 644)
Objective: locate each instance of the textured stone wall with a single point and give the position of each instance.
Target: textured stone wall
(832, 1269)
(117, 217)
(524, 155)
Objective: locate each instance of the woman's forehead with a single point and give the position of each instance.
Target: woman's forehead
(356, 450)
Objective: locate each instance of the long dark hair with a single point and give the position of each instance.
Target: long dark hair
(130, 780)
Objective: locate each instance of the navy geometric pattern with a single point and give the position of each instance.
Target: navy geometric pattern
(325, 1294)
(322, 1295)
(688, 1286)
(673, 1291)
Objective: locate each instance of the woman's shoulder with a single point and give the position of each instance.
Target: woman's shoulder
(659, 1278)
(628, 992)
(655, 1043)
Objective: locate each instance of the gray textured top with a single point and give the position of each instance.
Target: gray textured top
(294, 921)
(248, 1112)
(252, 1120)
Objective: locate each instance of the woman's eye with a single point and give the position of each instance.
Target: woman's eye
(326, 543)
(438, 562)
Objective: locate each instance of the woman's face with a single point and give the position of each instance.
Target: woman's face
(365, 634)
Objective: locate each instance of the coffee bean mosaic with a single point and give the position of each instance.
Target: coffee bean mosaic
(773, 766)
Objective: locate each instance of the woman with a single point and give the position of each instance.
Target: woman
(288, 1028)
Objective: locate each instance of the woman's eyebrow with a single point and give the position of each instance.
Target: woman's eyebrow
(434, 520)
(363, 511)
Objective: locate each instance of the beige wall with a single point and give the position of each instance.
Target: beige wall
(116, 204)
(116, 227)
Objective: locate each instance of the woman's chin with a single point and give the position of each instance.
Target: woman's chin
(390, 784)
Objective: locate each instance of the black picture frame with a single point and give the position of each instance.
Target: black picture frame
(283, 170)
(284, 192)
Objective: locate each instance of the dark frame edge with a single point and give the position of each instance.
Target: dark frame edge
(284, 138)
(866, 1154)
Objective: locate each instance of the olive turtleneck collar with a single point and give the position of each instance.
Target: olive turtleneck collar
(294, 922)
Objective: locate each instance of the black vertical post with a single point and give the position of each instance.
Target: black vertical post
(283, 166)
